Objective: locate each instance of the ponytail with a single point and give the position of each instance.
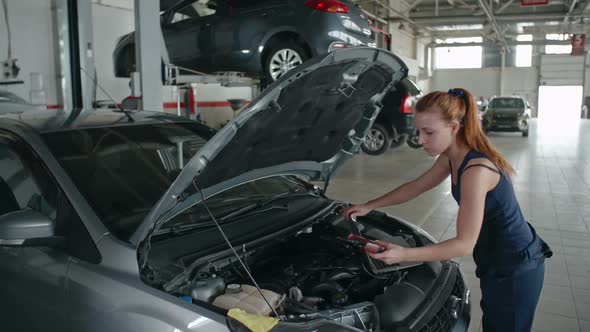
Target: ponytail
(460, 105)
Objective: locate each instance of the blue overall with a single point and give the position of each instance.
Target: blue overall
(509, 257)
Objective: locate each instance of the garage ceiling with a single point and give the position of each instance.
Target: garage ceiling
(492, 19)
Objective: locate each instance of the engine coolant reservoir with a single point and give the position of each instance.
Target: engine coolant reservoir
(248, 298)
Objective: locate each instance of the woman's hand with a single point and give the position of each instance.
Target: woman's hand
(356, 211)
(392, 254)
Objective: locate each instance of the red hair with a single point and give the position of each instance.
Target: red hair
(458, 104)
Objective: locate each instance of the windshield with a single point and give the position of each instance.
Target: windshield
(227, 205)
(123, 171)
(506, 103)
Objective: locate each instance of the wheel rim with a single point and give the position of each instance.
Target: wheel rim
(375, 140)
(283, 61)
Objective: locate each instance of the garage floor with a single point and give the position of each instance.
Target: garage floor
(553, 187)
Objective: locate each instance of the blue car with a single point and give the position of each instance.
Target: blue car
(266, 38)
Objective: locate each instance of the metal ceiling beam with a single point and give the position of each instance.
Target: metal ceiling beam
(400, 14)
(375, 17)
(504, 6)
(569, 12)
(471, 19)
(510, 43)
(416, 3)
(554, 5)
(570, 27)
(488, 11)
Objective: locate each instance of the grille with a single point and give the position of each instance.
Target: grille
(442, 320)
(459, 287)
(506, 118)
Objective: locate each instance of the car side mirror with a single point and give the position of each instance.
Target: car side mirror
(26, 228)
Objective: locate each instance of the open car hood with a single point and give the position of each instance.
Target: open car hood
(308, 123)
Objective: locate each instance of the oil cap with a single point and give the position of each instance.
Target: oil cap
(233, 289)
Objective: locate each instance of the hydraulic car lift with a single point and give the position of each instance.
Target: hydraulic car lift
(75, 51)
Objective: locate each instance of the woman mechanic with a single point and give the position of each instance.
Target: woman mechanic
(508, 253)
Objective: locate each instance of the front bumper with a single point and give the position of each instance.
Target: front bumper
(505, 123)
(451, 309)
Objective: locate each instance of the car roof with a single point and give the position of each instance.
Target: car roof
(508, 97)
(49, 120)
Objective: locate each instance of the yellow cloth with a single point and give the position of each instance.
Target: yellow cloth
(256, 323)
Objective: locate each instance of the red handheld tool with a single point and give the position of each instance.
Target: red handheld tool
(367, 245)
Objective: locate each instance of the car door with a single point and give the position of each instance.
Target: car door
(187, 35)
(238, 29)
(32, 291)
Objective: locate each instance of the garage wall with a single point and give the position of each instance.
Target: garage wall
(486, 81)
(562, 70)
(403, 41)
(32, 44)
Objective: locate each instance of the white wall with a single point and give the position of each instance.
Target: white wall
(403, 41)
(31, 26)
(486, 81)
(33, 46)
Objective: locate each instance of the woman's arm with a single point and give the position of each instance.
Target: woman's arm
(475, 184)
(410, 190)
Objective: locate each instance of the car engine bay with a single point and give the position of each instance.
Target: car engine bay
(316, 272)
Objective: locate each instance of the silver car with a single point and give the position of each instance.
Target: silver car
(507, 114)
(120, 221)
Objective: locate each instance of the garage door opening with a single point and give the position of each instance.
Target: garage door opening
(560, 106)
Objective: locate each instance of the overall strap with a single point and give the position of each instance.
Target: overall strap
(482, 165)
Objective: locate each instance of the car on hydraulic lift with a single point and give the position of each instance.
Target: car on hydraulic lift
(143, 221)
(266, 38)
(394, 125)
(11, 103)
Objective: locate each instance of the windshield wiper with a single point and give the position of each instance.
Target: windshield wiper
(250, 209)
(258, 205)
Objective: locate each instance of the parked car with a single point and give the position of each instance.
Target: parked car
(143, 221)
(11, 103)
(394, 125)
(262, 37)
(507, 114)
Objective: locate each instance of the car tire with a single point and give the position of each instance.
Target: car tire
(399, 141)
(413, 141)
(281, 58)
(525, 132)
(377, 141)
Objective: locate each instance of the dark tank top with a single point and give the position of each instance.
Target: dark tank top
(506, 239)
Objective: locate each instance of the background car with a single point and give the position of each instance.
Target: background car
(11, 103)
(394, 125)
(261, 37)
(507, 114)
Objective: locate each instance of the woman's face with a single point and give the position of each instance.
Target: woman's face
(436, 133)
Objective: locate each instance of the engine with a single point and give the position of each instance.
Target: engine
(317, 272)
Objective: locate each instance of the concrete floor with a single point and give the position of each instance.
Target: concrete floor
(553, 187)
